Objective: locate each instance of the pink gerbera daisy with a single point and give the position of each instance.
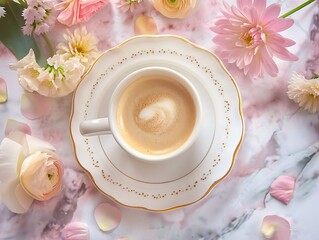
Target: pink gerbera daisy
(248, 35)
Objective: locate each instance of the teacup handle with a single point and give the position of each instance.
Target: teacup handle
(95, 127)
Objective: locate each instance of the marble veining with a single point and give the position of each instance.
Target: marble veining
(280, 139)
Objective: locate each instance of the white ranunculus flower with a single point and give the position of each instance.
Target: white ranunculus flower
(40, 175)
(29, 169)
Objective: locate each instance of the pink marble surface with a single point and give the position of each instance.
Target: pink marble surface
(279, 139)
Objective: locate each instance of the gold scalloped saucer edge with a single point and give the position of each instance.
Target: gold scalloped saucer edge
(235, 151)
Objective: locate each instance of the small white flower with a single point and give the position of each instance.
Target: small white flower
(80, 44)
(304, 92)
(2, 12)
(59, 78)
(28, 70)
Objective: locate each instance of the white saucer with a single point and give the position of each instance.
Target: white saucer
(172, 184)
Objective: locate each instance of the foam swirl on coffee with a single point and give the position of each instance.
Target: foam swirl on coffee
(157, 116)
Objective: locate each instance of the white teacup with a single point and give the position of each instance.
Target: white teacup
(154, 114)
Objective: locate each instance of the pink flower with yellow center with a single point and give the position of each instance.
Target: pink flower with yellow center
(248, 35)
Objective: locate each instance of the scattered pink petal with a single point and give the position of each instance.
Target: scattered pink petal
(275, 228)
(123, 238)
(76, 231)
(18, 137)
(174, 216)
(107, 217)
(3, 91)
(33, 105)
(283, 188)
(15, 126)
(145, 25)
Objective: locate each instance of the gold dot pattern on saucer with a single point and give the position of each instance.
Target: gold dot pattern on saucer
(137, 184)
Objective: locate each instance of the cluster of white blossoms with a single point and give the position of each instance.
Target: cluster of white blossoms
(64, 70)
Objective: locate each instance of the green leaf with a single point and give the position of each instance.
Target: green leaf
(11, 32)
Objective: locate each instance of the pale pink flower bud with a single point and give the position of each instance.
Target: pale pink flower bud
(76, 231)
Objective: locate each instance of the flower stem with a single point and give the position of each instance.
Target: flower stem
(297, 8)
(48, 42)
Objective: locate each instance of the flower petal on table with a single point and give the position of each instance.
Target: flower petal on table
(145, 25)
(107, 217)
(16, 136)
(16, 126)
(76, 231)
(3, 91)
(35, 144)
(283, 188)
(275, 228)
(33, 105)
(9, 156)
(9, 197)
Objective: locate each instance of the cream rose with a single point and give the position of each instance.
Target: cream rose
(40, 175)
(29, 169)
(174, 8)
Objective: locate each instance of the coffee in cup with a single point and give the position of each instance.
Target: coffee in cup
(154, 114)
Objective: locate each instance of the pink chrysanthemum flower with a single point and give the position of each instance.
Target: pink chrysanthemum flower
(248, 35)
(38, 16)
